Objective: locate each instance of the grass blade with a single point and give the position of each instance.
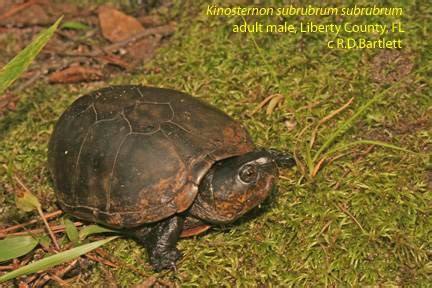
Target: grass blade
(56, 259)
(349, 122)
(13, 247)
(261, 54)
(12, 70)
(370, 142)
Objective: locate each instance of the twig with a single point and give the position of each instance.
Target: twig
(317, 167)
(69, 267)
(55, 229)
(117, 261)
(319, 164)
(54, 239)
(19, 226)
(327, 118)
(324, 228)
(41, 280)
(17, 9)
(344, 210)
(56, 276)
(60, 281)
(161, 30)
(39, 210)
(101, 260)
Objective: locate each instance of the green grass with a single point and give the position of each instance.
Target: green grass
(364, 219)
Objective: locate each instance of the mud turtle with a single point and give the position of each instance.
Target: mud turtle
(157, 164)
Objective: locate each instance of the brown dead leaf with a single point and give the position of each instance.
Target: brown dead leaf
(36, 12)
(273, 103)
(26, 14)
(277, 96)
(117, 26)
(76, 73)
(149, 20)
(143, 49)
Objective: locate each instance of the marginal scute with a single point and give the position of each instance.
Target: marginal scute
(185, 196)
(65, 148)
(136, 154)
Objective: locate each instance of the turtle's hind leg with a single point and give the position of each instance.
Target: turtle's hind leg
(160, 240)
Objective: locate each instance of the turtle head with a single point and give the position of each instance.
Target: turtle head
(234, 186)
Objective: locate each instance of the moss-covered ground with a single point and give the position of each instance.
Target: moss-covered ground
(364, 219)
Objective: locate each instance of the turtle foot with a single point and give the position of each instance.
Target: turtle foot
(165, 260)
(160, 241)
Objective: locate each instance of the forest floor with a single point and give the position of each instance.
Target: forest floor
(360, 215)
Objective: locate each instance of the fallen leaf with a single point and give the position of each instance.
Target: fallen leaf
(117, 26)
(149, 20)
(75, 74)
(26, 14)
(143, 49)
(16, 246)
(25, 200)
(36, 12)
(71, 230)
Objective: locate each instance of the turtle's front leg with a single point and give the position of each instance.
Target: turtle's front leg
(160, 241)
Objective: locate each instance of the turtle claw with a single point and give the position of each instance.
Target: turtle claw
(165, 260)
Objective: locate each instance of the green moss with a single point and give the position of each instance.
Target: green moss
(365, 219)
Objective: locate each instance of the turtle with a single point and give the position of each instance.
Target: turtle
(157, 164)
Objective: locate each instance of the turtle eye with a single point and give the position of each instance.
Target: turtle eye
(248, 173)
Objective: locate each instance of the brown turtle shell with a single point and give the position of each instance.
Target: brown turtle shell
(128, 155)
